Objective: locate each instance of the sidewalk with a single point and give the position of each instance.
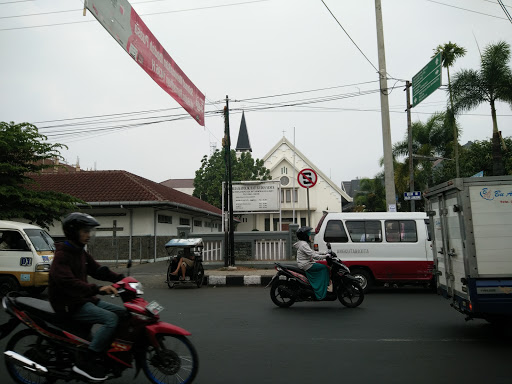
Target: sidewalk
(244, 273)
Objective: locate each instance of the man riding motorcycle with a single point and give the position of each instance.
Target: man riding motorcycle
(317, 273)
(73, 297)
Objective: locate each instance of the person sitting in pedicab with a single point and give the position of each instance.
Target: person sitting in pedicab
(187, 260)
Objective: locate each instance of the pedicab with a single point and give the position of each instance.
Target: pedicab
(179, 250)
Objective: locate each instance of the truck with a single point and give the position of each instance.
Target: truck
(471, 221)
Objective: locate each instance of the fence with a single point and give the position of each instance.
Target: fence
(249, 246)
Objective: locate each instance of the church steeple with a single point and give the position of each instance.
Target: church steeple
(243, 144)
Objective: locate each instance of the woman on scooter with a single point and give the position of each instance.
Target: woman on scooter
(317, 273)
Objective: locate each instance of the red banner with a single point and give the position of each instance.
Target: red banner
(124, 24)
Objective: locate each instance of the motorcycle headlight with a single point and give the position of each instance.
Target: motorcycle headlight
(137, 287)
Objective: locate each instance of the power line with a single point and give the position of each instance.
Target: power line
(465, 9)
(12, 2)
(142, 14)
(353, 42)
(505, 10)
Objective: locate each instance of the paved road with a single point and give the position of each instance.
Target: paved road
(402, 336)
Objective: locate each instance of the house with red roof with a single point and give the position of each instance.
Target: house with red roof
(137, 216)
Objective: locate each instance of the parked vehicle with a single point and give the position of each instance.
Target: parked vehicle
(290, 284)
(391, 248)
(46, 350)
(176, 249)
(472, 245)
(26, 253)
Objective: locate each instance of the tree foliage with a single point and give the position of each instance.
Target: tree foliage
(23, 151)
(211, 174)
(371, 196)
(492, 83)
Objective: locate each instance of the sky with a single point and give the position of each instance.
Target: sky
(293, 68)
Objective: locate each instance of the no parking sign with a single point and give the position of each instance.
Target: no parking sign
(307, 178)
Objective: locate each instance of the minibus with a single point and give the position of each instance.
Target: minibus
(26, 253)
(380, 248)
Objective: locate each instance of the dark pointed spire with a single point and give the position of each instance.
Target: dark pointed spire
(243, 144)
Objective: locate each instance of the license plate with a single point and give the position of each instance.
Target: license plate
(154, 308)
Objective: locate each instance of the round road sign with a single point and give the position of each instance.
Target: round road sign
(307, 178)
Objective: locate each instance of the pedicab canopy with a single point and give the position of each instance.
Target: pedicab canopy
(184, 243)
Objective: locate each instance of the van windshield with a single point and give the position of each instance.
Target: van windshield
(40, 239)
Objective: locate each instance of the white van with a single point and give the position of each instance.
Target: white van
(380, 247)
(26, 253)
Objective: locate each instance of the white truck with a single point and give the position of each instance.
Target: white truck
(471, 221)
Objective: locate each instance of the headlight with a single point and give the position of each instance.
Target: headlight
(139, 289)
(43, 267)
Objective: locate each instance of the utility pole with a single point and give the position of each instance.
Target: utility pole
(229, 235)
(389, 174)
(409, 131)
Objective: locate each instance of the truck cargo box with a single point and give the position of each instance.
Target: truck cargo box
(471, 222)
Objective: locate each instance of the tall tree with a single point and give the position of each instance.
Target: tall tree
(209, 177)
(371, 196)
(430, 140)
(492, 83)
(449, 53)
(23, 151)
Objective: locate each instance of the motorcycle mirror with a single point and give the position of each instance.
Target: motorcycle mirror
(328, 246)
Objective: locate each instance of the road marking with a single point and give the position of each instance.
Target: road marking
(397, 340)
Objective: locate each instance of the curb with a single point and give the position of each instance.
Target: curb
(236, 280)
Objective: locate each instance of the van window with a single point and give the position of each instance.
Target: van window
(40, 239)
(12, 240)
(364, 230)
(334, 232)
(401, 231)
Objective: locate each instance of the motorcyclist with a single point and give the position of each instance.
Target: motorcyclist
(317, 273)
(72, 296)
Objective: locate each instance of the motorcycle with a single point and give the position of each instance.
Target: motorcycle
(290, 284)
(47, 349)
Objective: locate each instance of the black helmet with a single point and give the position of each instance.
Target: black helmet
(303, 233)
(76, 221)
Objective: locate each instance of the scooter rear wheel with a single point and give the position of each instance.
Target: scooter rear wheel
(281, 293)
(33, 346)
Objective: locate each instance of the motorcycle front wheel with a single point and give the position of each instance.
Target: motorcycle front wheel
(350, 294)
(174, 361)
(281, 293)
(33, 346)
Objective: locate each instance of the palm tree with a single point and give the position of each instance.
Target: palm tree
(449, 53)
(432, 139)
(493, 82)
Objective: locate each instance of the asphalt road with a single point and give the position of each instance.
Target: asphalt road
(401, 336)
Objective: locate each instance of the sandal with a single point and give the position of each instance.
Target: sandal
(181, 278)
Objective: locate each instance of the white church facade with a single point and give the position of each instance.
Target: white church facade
(285, 162)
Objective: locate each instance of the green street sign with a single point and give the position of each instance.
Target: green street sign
(427, 80)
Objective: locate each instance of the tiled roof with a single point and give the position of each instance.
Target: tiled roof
(116, 186)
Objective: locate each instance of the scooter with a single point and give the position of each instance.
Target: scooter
(47, 349)
(290, 284)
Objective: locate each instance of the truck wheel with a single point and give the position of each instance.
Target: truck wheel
(8, 284)
(364, 277)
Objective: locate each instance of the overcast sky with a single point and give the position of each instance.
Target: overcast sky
(60, 70)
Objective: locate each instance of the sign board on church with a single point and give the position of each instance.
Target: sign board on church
(256, 196)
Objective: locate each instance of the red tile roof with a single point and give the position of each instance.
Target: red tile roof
(116, 186)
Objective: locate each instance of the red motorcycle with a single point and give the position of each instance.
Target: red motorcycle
(47, 350)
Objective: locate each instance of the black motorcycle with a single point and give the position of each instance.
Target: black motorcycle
(290, 284)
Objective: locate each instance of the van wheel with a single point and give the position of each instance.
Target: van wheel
(364, 277)
(8, 284)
